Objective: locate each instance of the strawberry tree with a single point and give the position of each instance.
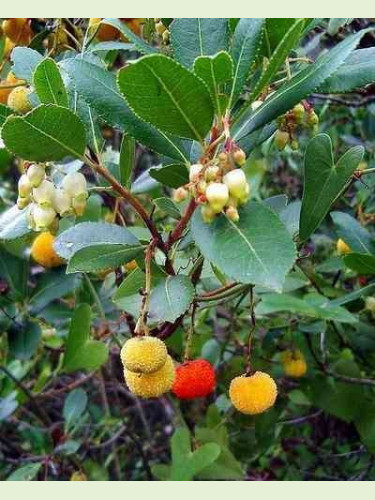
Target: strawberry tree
(141, 146)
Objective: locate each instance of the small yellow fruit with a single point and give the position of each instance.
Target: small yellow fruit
(18, 100)
(78, 476)
(342, 247)
(4, 93)
(370, 304)
(208, 214)
(254, 394)
(143, 354)
(105, 32)
(18, 30)
(42, 251)
(180, 194)
(130, 266)
(239, 156)
(294, 363)
(281, 139)
(151, 385)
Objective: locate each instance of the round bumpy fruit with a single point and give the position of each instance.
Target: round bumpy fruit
(253, 394)
(194, 379)
(18, 30)
(294, 363)
(42, 251)
(105, 32)
(151, 385)
(342, 247)
(18, 100)
(143, 354)
(78, 476)
(4, 92)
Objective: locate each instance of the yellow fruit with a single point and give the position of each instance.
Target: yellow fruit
(4, 93)
(130, 266)
(151, 385)
(8, 47)
(281, 139)
(42, 251)
(217, 195)
(105, 32)
(342, 247)
(18, 100)
(294, 363)
(18, 30)
(254, 394)
(78, 476)
(143, 354)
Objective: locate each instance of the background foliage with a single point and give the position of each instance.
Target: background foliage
(132, 112)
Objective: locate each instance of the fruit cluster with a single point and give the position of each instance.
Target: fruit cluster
(218, 186)
(106, 32)
(161, 30)
(150, 372)
(46, 201)
(148, 369)
(302, 115)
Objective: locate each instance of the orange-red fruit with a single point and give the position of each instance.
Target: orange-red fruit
(194, 379)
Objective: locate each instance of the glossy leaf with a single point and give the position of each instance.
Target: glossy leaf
(98, 88)
(89, 234)
(361, 263)
(127, 160)
(167, 95)
(350, 230)
(25, 60)
(194, 37)
(47, 133)
(48, 83)
(256, 250)
(301, 85)
(82, 353)
(174, 175)
(324, 180)
(246, 44)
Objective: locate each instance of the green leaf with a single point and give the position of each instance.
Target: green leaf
(194, 37)
(278, 56)
(335, 23)
(352, 296)
(174, 175)
(361, 263)
(168, 206)
(25, 60)
(47, 133)
(100, 257)
(52, 285)
(111, 45)
(15, 272)
(256, 250)
(81, 352)
(226, 467)
(365, 425)
(97, 86)
(351, 231)
(24, 339)
(301, 85)
(91, 234)
(246, 44)
(168, 96)
(357, 71)
(324, 180)
(171, 298)
(4, 113)
(215, 71)
(25, 473)
(14, 223)
(74, 407)
(127, 160)
(48, 83)
(141, 46)
(185, 463)
(314, 307)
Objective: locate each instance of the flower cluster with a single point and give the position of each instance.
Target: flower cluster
(219, 186)
(48, 201)
(302, 115)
